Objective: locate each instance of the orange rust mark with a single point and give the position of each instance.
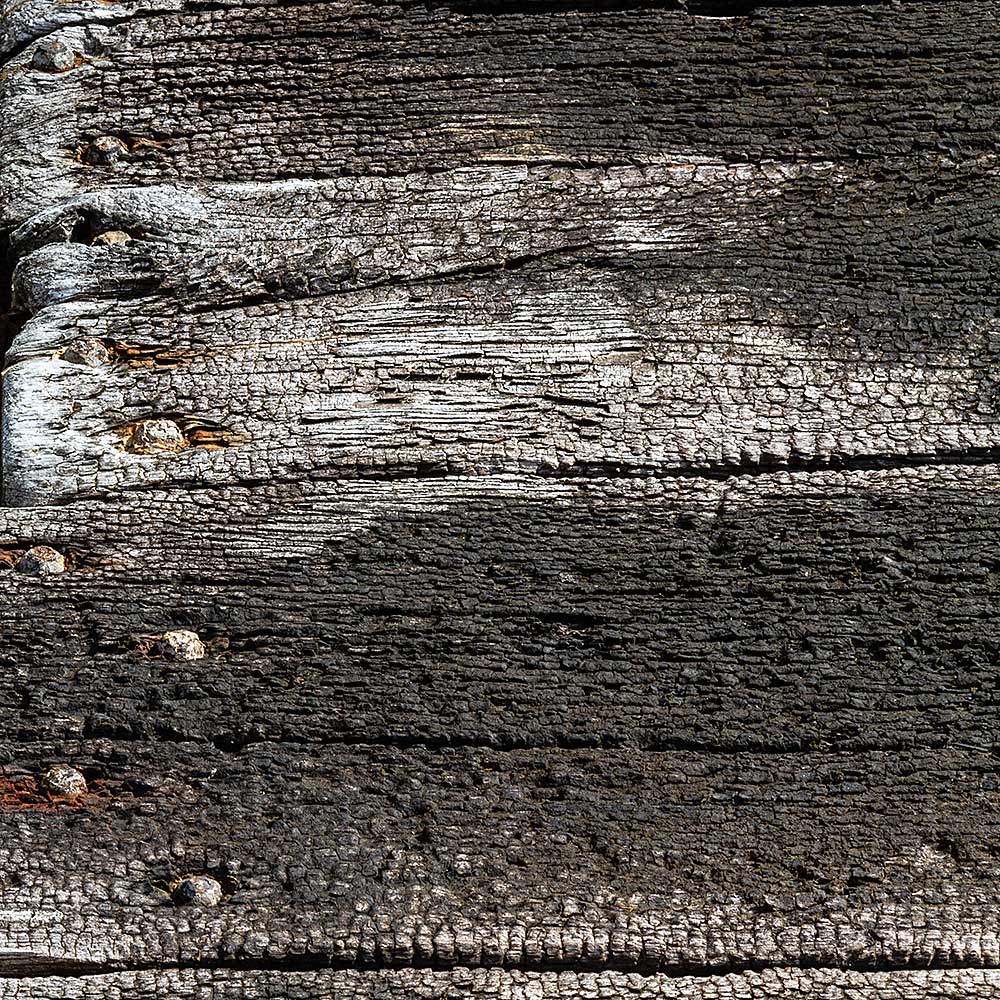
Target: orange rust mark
(26, 794)
(140, 356)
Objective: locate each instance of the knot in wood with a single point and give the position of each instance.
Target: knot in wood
(103, 151)
(200, 890)
(61, 779)
(87, 351)
(41, 560)
(53, 56)
(181, 644)
(156, 435)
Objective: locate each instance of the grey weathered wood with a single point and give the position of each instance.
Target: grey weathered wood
(771, 613)
(414, 984)
(247, 91)
(504, 319)
(582, 733)
(530, 859)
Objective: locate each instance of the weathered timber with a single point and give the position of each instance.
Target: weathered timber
(533, 859)
(500, 319)
(423, 984)
(421, 613)
(771, 613)
(248, 91)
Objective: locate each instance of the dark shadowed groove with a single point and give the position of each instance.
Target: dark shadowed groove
(48, 966)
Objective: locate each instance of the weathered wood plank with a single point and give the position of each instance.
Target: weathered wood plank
(316, 90)
(505, 319)
(771, 613)
(494, 984)
(534, 859)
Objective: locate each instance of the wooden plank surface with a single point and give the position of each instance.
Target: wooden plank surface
(773, 613)
(504, 319)
(317, 90)
(528, 859)
(575, 460)
(501, 985)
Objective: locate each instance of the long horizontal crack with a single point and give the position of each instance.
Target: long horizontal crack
(581, 472)
(52, 966)
(667, 746)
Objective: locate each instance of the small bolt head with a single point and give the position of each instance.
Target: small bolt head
(87, 351)
(156, 435)
(181, 644)
(64, 780)
(41, 560)
(199, 890)
(103, 151)
(53, 56)
(112, 238)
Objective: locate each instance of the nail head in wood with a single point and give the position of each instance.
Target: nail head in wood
(53, 56)
(87, 351)
(156, 435)
(199, 890)
(41, 560)
(63, 780)
(112, 238)
(181, 644)
(104, 151)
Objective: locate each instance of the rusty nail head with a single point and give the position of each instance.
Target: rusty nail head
(155, 435)
(41, 560)
(53, 56)
(202, 890)
(104, 150)
(181, 644)
(61, 779)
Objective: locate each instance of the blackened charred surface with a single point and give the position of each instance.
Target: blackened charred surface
(527, 860)
(840, 611)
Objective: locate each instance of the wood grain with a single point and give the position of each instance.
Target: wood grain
(771, 613)
(532, 859)
(319, 90)
(505, 319)
(582, 489)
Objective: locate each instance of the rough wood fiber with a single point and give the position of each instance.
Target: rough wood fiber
(412, 984)
(533, 722)
(505, 319)
(263, 92)
(533, 859)
(767, 613)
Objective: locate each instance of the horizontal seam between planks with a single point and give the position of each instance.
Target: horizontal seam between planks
(51, 968)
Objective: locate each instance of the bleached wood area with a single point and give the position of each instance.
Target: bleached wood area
(500, 499)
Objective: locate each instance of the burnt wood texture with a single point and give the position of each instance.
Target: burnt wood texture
(500, 499)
